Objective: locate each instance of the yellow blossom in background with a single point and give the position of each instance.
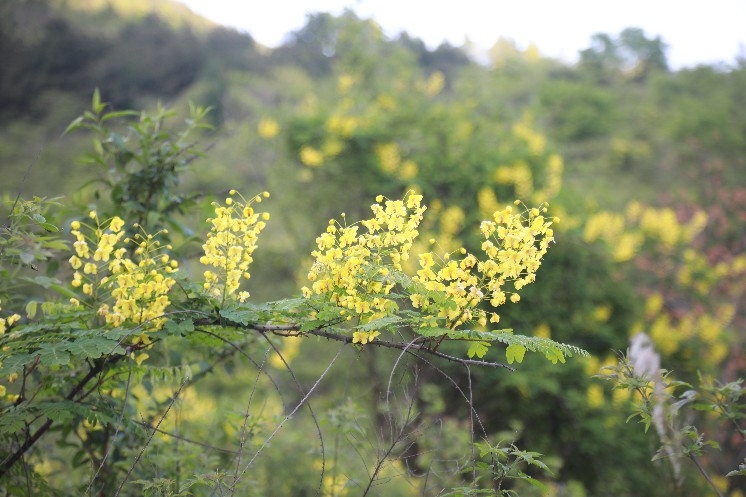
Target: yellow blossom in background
(532, 54)
(310, 156)
(451, 221)
(290, 350)
(627, 245)
(543, 330)
(434, 84)
(535, 141)
(268, 128)
(342, 125)
(663, 224)
(345, 83)
(230, 244)
(606, 226)
(388, 156)
(602, 313)
(408, 170)
(519, 175)
(595, 395)
(332, 147)
(592, 365)
(387, 102)
(553, 184)
(653, 305)
(487, 201)
(620, 396)
(634, 210)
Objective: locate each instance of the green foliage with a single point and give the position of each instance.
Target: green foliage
(663, 404)
(74, 370)
(629, 130)
(142, 166)
(503, 466)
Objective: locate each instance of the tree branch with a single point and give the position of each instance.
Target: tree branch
(31, 440)
(293, 329)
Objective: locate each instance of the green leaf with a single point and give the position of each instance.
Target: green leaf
(14, 363)
(49, 227)
(179, 327)
(54, 354)
(515, 352)
(378, 324)
(12, 420)
(96, 104)
(117, 114)
(244, 315)
(478, 348)
(311, 324)
(74, 125)
(31, 308)
(94, 348)
(432, 332)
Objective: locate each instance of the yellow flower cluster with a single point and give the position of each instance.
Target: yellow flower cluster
(535, 141)
(519, 175)
(610, 227)
(670, 333)
(452, 279)
(514, 243)
(434, 84)
(351, 269)
(139, 287)
(626, 233)
(230, 244)
(390, 161)
(553, 180)
(6, 323)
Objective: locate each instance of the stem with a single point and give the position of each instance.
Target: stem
(705, 474)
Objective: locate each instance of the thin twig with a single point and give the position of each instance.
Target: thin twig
(295, 409)
(116, 432)
(150, 438)
(310, 410)
(401, 435)
(705, 474)
(243, 437)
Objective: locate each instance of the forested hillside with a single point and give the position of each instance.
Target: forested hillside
(640, 171)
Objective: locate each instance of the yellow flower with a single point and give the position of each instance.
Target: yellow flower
(268, 128)
(363, 337)
(310, 156)
(116, 224)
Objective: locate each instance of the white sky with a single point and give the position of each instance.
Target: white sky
(696, 31)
